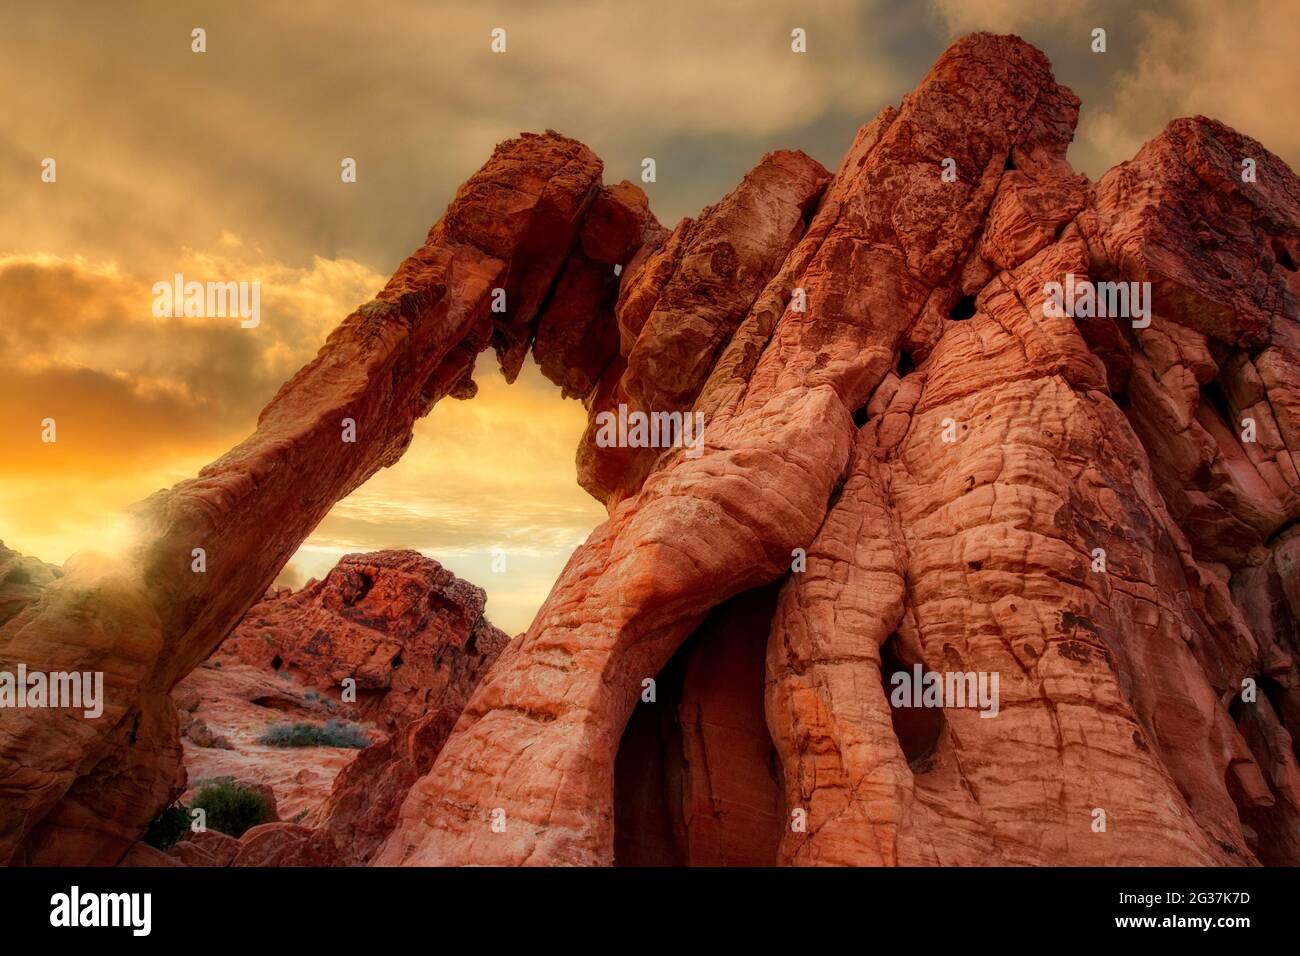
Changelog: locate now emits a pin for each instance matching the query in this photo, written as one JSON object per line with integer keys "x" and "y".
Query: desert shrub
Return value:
{"x": 332, "y": 733}
{"x": 291, "y": 735}
{"x": 168, "y": 827}
{"x": 344, "y": 733}
{"x": 230, "y": 808}
{"x": 311, "y": 696}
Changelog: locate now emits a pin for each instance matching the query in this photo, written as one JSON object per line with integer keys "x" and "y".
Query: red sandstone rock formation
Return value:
{"x": 392, "y": 621}
{"x": 577, "y": 334}
{"x": 225, "y": 706}
{"x": 973, "y": 482}
{"x": 409, "y": 607}
{"x": 680, "y": 303}
{"x": 21, "y": 580}
{"x": 912, "y": 465}
{"x": 362, "y": 807}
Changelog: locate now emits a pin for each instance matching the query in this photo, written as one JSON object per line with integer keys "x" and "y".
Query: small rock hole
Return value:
{"x": 963, "y": 310}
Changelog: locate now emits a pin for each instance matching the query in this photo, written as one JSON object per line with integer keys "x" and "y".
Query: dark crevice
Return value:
{"x": 355, "y": 592}
{"x": 1234, "y": 709}
{"x": 813, "y": 206}
{"x": 834, "y": 498}
{"x": 648, "y": 772}
{"x": 906, "y": 364}
{"x": 695, "y": 778}
{"x": 1283, "y": 256}
{"x": 1276, "y": 536}
{"x": 963, "y": 309}
{"x": 1274, "y": 692}
{"x": 917, "y": 728}
{"x": 1213, "y": 393}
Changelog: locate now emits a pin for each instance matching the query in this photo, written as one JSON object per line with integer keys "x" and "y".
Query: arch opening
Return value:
{"x": 696, "y": 780}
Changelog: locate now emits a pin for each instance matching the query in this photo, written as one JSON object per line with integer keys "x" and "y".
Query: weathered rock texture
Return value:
{"x": 910, "y": 465}
{"x": 931, "y": 471}
{"x": 225, "y": 706}
{"x": 448, "y": 643}
{"x": 393, "y": 622}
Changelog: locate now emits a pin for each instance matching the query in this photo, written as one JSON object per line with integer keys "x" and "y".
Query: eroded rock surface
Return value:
{"x": 392, "y": 622}
{"x": 452, "y": 647}
{"x": 912, "y": 469}
{"x": 225, "y": 706}
{"x": 941, "y": 476}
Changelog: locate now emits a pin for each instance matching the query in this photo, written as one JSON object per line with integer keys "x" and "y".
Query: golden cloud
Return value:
{"x": 140, "y": 403}
{"x": 1232, "y": 62}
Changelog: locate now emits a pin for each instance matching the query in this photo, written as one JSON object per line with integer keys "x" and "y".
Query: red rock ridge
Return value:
{"x": 80, "y": 791}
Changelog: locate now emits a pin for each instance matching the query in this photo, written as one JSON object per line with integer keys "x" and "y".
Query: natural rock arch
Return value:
{"x": 74, "y": 790}
{"x": 824, "y": 434}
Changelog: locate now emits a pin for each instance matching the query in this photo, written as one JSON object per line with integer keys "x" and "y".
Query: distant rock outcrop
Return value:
{"x": 392, "y": 622}
{"x": 22, "y": 579}
{"x": 411, "y": 634}
{"x": 417, "y": 635}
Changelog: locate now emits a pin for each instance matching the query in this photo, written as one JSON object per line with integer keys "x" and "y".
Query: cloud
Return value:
{"x": 170, "y": 146}
{"x": 1006, "y": 16}
{"x": 1232, "y": 62}
{"x": 139, "y": 403}
{"x": 290, "y": 576}
{"x": 88, "y": 329}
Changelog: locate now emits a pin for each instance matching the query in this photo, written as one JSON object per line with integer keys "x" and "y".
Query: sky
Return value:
{"x": 224, "y": 165}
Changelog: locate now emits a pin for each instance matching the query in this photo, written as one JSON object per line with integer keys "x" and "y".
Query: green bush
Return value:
{"x": 332, "y": 733}
{"x": 168, "y": 827}
{"x": 230, "y": 808}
